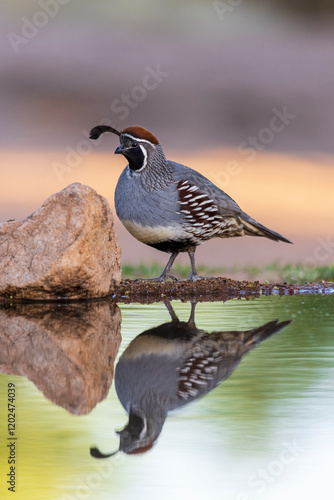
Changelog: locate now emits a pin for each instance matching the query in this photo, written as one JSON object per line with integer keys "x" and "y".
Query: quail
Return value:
{"x": 172, "y": 365}
{"x": 169, "y": 206}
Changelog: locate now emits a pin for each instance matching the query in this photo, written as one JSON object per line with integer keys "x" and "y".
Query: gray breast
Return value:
{"x": 135, "y": 203}
{"x": 148, "y": 377}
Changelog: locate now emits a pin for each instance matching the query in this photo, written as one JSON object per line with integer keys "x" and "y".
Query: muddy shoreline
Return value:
{"x": 218, "y": 289}
{"x": 205, "y": 290}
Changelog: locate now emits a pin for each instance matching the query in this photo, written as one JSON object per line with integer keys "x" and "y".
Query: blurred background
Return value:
{"x": 242, "y": 91}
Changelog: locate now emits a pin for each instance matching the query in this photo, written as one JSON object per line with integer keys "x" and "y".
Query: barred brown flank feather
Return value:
{"x": 140, "y": 133}
{"x": 198, "y": 208}
{"x": 197, "y": 372}
{"x": 203, "y": 358}
{"x": 202, "y": 213}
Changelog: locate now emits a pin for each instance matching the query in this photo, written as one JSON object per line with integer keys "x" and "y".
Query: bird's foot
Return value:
{"x": 195, "y": 277}
{"x": 160, "y": 279}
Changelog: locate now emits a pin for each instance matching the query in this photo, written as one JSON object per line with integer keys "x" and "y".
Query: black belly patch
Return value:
{"x": 171, "y": 246}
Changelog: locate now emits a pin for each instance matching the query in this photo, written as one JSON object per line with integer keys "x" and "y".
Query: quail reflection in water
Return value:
{"x": 171, "y": 365}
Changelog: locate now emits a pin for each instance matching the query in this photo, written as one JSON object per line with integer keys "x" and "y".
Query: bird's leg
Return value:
{"x": 171, "y": 311}
{"x": 165, "y": 273}
{"x": 191, "y": 320}
{"x": 193, "y": 275}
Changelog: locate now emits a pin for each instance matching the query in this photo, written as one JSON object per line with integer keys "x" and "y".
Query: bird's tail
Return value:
{"x": 254, "y": 228}
{"x": 258, "y": 335}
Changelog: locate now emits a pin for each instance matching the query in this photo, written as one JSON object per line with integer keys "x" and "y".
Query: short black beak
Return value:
{"x": 120, "y": 150}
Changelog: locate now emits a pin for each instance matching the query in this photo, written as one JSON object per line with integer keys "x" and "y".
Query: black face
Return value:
{"x": 132, "y": 152}
{"x": 135, "y": 425}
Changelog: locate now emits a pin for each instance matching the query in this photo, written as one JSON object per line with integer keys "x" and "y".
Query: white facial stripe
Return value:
{"x": 143, "y": 432}
{"x": 136, "y": 138}
{"x": 145, "y": 158}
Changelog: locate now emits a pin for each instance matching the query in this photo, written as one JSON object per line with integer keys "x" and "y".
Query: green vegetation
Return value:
{"x": 300, "y": 273}
{"x": 289, "y": 273}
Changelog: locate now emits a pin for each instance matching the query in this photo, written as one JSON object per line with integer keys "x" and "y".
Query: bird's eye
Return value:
{"x": 134, "y": 144}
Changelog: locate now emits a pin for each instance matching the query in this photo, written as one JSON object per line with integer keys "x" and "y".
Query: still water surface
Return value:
{"x": 265, "y": 432}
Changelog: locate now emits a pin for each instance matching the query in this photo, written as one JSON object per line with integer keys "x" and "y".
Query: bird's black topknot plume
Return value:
{"x": 100, "y": 129}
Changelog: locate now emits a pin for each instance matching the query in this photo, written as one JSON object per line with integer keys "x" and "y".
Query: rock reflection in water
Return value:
{"x": 66, "y": 350}
{"x": 171, "y": 365}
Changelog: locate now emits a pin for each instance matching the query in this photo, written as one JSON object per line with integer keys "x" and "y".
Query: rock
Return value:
{"x": 67, "y": 350}
{"x": 66, "y": 249}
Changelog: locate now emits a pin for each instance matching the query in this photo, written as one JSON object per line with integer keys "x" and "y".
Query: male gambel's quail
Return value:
{"x": 172, "y": 365}
{"x": 170, "y": 206}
